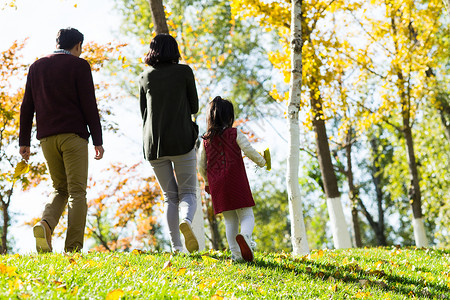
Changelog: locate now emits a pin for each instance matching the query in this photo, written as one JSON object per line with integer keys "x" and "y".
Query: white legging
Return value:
{"x": 179, "y": 192}
{"x": 232, "y": 219}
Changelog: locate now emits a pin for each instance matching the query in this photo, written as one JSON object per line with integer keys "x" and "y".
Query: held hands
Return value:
{"x": 99, "y": 152}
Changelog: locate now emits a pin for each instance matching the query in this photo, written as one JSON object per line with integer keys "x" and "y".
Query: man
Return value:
{"x": 60, "y": 90}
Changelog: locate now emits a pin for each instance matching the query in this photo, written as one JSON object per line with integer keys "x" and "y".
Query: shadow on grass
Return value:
{"x": 353, "y": 273}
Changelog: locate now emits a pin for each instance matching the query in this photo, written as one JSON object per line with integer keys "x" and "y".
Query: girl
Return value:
{"x": 222, "y": 167}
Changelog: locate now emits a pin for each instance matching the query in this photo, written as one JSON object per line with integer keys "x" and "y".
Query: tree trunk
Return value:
{"x": 404, "y": 92}
{"x": 216, "y": 239}
{"x": 446, "y": 122}
{"x": 414, "y": 191}
{"x": 341, "y": 235}
{"x": 298, "y": 231}
{"x": 5, "y": 205}
{"x": 378, "y": 227}
{"x": 198, "y": 223}
{"x": 158, "y": 16}
{"x": 353, "y": 192}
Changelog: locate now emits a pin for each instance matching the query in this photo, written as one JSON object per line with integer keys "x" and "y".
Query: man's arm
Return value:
{"x": 26, "y": 114}
{"x": 86, "y": 92}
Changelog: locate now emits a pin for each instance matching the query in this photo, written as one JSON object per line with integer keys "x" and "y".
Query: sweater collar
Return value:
{"x": 62, "y": 51}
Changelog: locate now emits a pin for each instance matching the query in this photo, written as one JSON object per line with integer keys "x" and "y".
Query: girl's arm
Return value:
{"x": 202, "y": 164}
{"x": 248, "y": 150}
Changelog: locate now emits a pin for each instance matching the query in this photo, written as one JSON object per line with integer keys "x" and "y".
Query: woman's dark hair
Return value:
{"x": 68, "y": 38}
{"x": 219, "y": 118}
{"x": 163, "y": 48}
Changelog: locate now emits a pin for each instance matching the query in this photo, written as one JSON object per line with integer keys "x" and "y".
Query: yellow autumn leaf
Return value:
{"x": 10, "y": 271}
{"x": 268, "y": 159}
{"x": 115, "y": 294}
{"x": 75, "y": 290}
{"x": 181, "y": 271}
{"x": 21, "y": 168}
{"x": 378, "y": 264}
{"x": 51, "y": 270}
{"x": 209, "y": 260}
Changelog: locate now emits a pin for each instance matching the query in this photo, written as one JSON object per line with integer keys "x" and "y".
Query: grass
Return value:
{"x": 375, "y": 273}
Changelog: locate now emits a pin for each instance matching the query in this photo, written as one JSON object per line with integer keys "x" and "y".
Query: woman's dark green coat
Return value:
{"x": 168, "y": 98}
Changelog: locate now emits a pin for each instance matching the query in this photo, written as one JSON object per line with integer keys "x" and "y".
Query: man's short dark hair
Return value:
{"x": 68, "y": 38}
{"x": 163, "y": 49}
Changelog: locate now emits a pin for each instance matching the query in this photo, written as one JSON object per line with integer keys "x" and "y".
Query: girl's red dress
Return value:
{"x": 228, "y": 182}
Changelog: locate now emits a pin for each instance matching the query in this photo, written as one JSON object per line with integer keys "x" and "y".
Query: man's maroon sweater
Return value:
{"x": 61, "y": 91}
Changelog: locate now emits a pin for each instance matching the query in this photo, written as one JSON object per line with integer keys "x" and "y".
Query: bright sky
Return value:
{"x": 39, "y": 21}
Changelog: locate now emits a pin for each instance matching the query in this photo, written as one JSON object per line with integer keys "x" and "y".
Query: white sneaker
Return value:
{"x": 189, "y": 238}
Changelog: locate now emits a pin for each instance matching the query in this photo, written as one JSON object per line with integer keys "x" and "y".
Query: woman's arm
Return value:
{"x": 192, "y": 92}
{"x": 142, "y": 98}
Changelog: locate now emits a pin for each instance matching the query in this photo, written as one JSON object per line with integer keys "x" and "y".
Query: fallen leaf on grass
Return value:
{"x": 137, "y": 251}
{"x": 10, "y": 271}
{"x": 75, "y": 290}
{"x": 362, "y": 295}
{"x": 209, "y": 260}
{"x": 51, "y": 270}
{"x": 167, "y": 265}
{"x": 364, "y": 282}
{"x": 115, "y": 294}
{"x": 378, "y": 264}
{"x": 334, "y": 288}
{"x": 181, "y": 271}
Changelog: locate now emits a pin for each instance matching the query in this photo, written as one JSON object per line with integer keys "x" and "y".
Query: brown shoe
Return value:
{"x": 43, "y": 236}
{"x": 244, "y": 245}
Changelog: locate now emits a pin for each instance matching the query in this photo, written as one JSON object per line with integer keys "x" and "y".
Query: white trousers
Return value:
{"x": 232, "y": 218}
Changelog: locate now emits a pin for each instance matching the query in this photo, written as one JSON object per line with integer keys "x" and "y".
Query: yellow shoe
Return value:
{"x": 189, "y": 238}
{"x": 43, "y": 235}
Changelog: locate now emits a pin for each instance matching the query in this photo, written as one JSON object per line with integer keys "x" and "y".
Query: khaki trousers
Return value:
{"x": 67, "y": 162}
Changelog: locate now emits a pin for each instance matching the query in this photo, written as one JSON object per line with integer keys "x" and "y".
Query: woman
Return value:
{"x": 168, "y": 98}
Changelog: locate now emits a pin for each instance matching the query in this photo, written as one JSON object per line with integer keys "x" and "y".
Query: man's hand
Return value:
{"x": 99, "y": 152}
{"x": 25, "y": 152}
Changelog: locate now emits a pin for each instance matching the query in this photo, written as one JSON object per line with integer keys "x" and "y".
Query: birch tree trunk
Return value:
{"x": 158, "y": 16}
{"x": 341, "y": 234}
{"x": 5, "y": 205}
{"x": 198, "y": 222}
{"x": 414, "y": 192}
{"x": 298, "y": 232}
{"x": 353, "y": 191}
